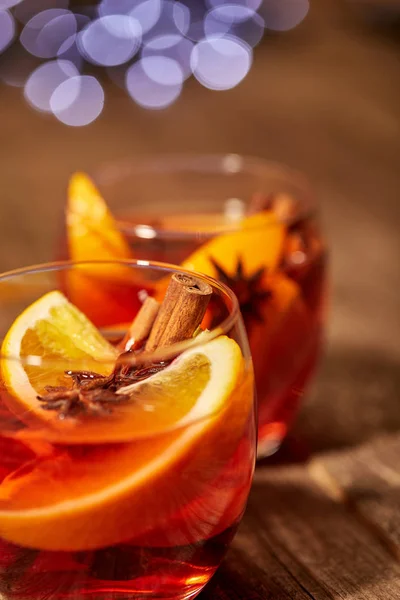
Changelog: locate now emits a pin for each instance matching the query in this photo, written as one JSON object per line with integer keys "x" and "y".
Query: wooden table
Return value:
{"x": 323, "y": 520}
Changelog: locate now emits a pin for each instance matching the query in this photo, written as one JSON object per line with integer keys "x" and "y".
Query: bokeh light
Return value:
{"x": 181, "y": 16}
{"x": 69, "y": 51}
{"x": 45, "y": 80}
{"x": 172, "y": 46}
{"x": 81, "y": 20}
{"x": 194, "y": 21}
{"x": 282, "y": 15}
{"x": 43, "y": 35}
{"x": 163, "y": 70}
{"x": 146, "y": 47}
{"x": 238, "y": 21}
{"x": 146, "y": 12}
{"x": 78, "y": 101}
{"x": 149, "y": 92}
{"x": 252, "y": 4}
{"x": 232, "y": 13}
{"x": 7, "y": 29}
{"x": 171, "y": 19}
{"x": 110, "y": 40}
{"x": 115, "y": 7}
{"x": 55, "y": 34}
{"x": 250, "y": 31}
{"x": 69, "y": 48}
{"x": 221, "y": 63}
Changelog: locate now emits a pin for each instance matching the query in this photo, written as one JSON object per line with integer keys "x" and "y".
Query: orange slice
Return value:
{"x": 92, "y": 232}
{"x": 50, "y": 329}
{"x": 54, "y": 330}
{"x": 259, "y": 243}
{"x": 102, "y": 494}
{"x": 101, "y": 291}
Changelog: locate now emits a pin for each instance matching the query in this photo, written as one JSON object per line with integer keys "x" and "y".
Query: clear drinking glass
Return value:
{"x": 104, "y": 498}
{"x": 192, "y": 210}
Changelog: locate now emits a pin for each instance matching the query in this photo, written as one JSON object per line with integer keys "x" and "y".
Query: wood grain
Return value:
{"x": 368, "y": 480}
{"x": 356, "y": 394}
{"x": 296, "y": 541}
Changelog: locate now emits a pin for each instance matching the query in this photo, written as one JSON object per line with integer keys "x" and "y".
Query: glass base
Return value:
{"x": 122, "y": 572}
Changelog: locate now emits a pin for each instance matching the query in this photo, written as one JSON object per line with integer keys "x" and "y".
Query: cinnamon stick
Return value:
{"x": 141, "y": 325}
{"x": 181, "y": 312}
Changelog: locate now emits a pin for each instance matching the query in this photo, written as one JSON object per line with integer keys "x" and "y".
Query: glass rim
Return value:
{"x": 109, "y": 172}
{"x": 158, "y": 355}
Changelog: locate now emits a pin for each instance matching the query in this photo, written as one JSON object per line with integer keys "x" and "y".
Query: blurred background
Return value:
{"x": 315, "y": 85}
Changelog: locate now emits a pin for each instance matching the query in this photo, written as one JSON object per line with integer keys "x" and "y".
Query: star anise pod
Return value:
{"x": 89, "y": 394}
{"x": 92, "y": 393}
{"x": 248, "y": 289}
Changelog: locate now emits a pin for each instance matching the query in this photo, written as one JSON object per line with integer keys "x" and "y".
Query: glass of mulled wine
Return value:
{"x": 252, "y": 225}
{"x": 127, "y": 430}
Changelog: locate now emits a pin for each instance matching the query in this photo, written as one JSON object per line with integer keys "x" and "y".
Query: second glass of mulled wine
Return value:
{"x": 249, "y": 223}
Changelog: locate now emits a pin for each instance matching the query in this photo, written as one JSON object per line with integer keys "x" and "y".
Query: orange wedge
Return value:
{"x": 101, "y": 291}
{"x": 175, "y": 436}
{"x": 258, "y": 243}
{"x": 92, "y": 231}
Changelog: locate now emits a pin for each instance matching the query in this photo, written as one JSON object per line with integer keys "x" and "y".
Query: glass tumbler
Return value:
{"x": 254, "y": 226}
{"x": 124, "y": 472}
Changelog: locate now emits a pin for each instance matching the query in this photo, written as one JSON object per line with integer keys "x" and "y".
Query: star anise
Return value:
{"x": 92, "y": 393}
{"x": 248, "y": 289}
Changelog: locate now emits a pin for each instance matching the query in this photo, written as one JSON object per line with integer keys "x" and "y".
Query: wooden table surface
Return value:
{"x": 323, "y": 520}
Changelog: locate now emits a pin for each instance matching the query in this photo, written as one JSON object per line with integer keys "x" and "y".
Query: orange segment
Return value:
{"x": 54, "y": 330}
{"x": 259, "y": 243}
